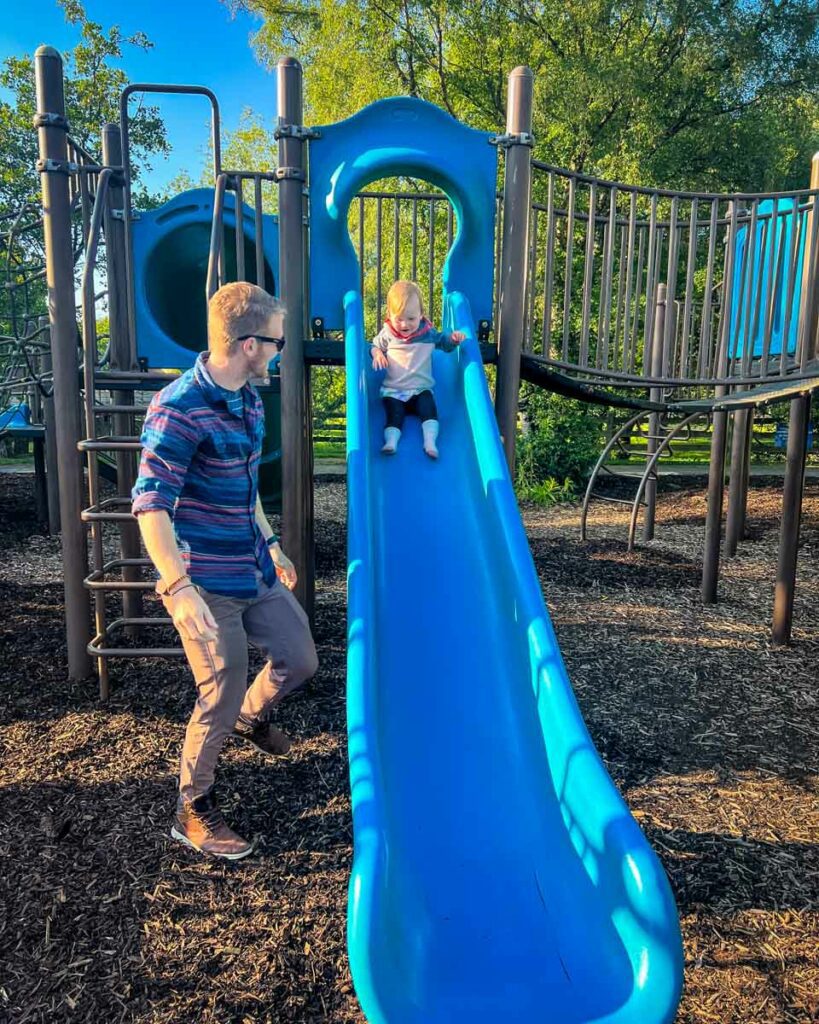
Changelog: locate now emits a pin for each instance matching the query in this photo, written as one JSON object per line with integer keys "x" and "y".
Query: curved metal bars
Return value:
{"x": 614, "y": 440}
{"x": 216, "y": 142}
{"x": 652, "y": 462}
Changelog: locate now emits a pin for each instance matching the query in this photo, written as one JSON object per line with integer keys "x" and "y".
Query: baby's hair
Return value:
{"x": 399, "y": 295}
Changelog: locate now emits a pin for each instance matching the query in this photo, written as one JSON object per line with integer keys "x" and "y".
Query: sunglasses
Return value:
{"x": 264, "y": 340}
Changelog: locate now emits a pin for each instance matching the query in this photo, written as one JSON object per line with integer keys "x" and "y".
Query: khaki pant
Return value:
{"x": 274, "y": 622}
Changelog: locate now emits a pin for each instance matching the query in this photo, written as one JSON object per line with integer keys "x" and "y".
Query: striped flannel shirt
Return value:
{"x": 200, "y": 463}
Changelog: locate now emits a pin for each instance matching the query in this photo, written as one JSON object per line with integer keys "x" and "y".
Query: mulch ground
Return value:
{"x": 708, "y": 730}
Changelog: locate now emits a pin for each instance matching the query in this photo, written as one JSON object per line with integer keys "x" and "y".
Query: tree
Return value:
{"x": 251, "y": 147}
{"x": 92, "y": 90}
{"x": 695, "y": 93}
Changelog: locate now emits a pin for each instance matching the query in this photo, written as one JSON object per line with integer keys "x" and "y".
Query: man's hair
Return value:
{"x": 237, "y": 309}
{"x": 399, "y": 295}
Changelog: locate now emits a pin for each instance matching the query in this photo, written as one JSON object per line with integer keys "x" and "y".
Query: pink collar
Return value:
{"x": 423, "y": 328}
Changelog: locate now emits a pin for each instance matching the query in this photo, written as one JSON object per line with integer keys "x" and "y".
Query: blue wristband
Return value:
{"x": 272, "y": 539}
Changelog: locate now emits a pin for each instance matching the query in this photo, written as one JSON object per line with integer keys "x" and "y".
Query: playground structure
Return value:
{"x": 669, "y": 304}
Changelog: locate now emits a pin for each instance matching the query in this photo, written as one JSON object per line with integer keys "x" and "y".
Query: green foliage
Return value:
{"x": 328, "y": 388}
{"x": 251, "y": 147}
{"x": 92, "y": 87}
{"x": 548, "y": 492}
{"x": 563, "y": 441}
{"x": 693, "y": 93}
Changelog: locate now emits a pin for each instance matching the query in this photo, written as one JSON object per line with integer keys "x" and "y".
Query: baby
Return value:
{"x": 404, "y": 348}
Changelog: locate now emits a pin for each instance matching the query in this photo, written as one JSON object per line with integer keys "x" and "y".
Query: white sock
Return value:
{"x": 392, "y": 435}
{"x": 430, "y": 431}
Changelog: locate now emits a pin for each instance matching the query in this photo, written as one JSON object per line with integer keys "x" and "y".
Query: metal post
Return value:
{"x": 35, "y": 401}
{"x": 52, "y": 132}
{"x": 798, "y": 423}
{"x": 121, "y": 350}
{"x": 716, "y": 493}
{"x": 297, "y": 455}
{"x": 719, "y": 430}
{"x": 738, "y": 489}
{"x": 514, "y": 251}
{"x": 655, "y": 395}
{"x": 798, "y": 426}
{"x": 52, "y": 461}
{"x": 746, "y": 474}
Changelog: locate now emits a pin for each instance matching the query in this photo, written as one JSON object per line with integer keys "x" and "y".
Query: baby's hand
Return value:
{"x": 457, "y": 337}
{"x": 379, "y": 360}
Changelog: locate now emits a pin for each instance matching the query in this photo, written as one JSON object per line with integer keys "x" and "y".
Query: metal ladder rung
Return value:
{"x": 110, "y": 444}
{"x": 106, "y": 410}
{"x": 614, "y": 501}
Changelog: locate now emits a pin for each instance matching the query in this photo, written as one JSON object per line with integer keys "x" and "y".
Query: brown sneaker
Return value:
{"x": 264, "y": 737}
{"x": 199, "y": 824}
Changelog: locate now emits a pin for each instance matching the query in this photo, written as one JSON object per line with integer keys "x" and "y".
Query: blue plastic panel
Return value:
{"x": 170, "y": 262}
{"x": 498, "y": 876}
{"x": 409, "y": 137}
{"x": 769, "y": 254}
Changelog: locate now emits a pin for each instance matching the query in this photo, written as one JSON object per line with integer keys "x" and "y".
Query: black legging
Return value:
{"x": 421, "y": 405}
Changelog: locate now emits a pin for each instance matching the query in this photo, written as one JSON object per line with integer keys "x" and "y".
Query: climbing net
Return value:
{"x": 24, "y": 337}
{"x": 25, "y": 355}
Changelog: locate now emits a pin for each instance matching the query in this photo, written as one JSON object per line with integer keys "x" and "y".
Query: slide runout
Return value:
{"x": 498, "y": 875}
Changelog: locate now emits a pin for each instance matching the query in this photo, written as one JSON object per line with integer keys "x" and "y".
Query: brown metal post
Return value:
{"x": 35, "y": 400}
{"x": 798, "y": 422}
{"x": 738, "y": 490}
{"x": 297, "y": 455}
{"x": 512, "y": 271}
{"x": 52, "y": 132}
{"x": 746, "y": 474}
{"x": 719, "y": 429}
{"x": 121, "y": 347}
{"x": 798, "y": 426}
{"x": 656, "y": 395}
{"x": 52, "y": 461}
{"x": 716, "y": 494}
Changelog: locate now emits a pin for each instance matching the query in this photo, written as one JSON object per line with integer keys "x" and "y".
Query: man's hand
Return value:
{"x": 191, "y": 615}
{"x": 457, "y": 337}
{"x": 285, "y": 569}
{"x": 380, "y": 361}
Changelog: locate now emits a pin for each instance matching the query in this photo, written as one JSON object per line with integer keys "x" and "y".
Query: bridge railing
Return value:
{"x": 736, "y": 269}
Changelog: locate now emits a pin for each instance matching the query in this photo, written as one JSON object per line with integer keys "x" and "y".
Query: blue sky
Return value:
{"x": 195, "y": 42}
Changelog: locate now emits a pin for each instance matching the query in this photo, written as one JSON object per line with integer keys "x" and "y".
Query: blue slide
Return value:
{"x": 498, "y": 875}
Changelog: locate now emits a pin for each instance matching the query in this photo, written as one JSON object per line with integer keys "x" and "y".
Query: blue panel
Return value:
{"x": 498, "y": 875}
{"x": 770, "y": 253}
{"x": 170, "y": 260}
{"x": 408, "y": 137}
{"x": 16, "y": 417}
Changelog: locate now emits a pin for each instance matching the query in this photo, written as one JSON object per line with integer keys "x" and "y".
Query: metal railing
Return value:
{"x": 232, "y": 181}
{"x": 735, "y": 267}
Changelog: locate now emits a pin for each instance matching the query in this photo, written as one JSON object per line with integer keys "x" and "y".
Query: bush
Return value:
{"x": 550, "y": 492}
{"x": 556, "y": 455}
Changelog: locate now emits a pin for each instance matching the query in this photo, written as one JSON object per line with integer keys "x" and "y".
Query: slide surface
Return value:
{"x": 498, "y": 875}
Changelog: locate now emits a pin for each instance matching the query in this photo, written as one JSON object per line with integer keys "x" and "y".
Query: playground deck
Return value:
{"x": 106, "y": 920}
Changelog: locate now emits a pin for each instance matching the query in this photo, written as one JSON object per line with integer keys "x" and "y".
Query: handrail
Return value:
{"x": 216, "y": 142}
{"x": 646, "y": 190}
{"x": 630, "y": 380}
{"x": 215, "y": 262}
{"x": 89, "y": 338}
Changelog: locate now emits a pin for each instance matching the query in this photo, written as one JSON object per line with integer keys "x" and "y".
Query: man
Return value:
{"x": 218, "y": 560}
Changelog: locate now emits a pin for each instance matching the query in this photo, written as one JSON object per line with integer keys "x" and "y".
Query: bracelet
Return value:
{"x": 168, "y": 591}
{"x": 272, "y": 539}
{"x": 179, "y": 591}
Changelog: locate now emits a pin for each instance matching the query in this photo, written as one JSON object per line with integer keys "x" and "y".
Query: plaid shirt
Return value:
{"x": 200, "y": 464}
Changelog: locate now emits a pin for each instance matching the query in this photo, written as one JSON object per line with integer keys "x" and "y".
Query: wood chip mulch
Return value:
{"x": 709, "y": 731}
